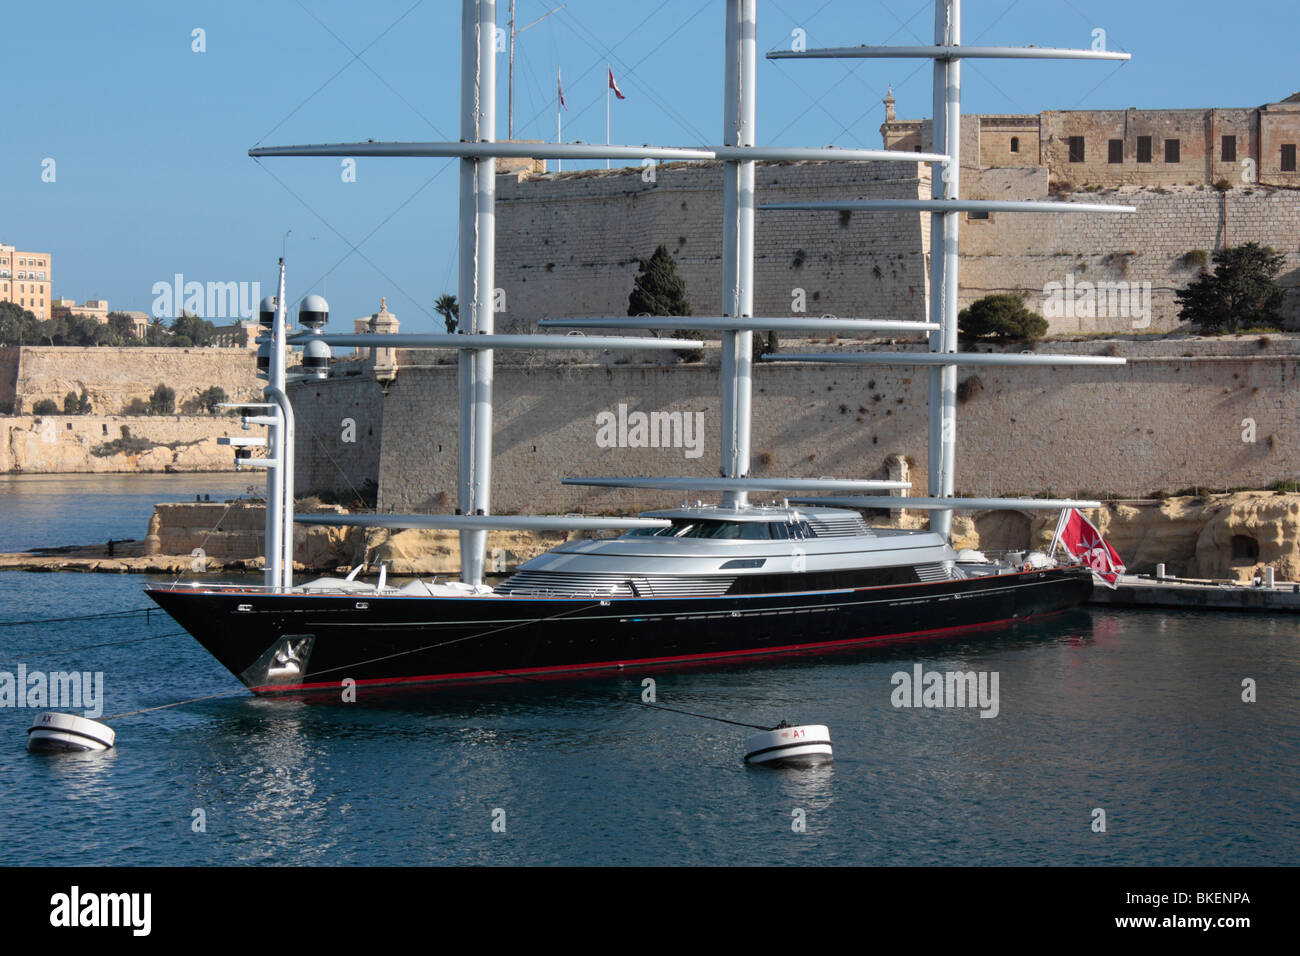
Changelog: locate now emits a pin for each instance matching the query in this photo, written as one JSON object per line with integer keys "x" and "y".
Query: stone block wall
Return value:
{"x": 569, "y": 245}
{"x": 1164, "y": 243}
{"x": 1170, "y": 419}
{"x": 338, "y": 423}
{"x": 49, "y": 444}
{"x": 114, "y": 378}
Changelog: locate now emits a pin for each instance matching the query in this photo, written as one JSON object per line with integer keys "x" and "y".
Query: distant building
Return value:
{"x": 227, "y": 336}
{"x": 1132, "y": 147}
{"x": 25, "y": 279}
{"x": 140, "y": 323}
{"x": 96, "y": 309}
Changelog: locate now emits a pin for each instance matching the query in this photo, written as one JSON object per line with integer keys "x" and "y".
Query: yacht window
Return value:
{"x": 714, "y": 529}
{"x": 645, "y": 532}
{"x": 725, "y": 530}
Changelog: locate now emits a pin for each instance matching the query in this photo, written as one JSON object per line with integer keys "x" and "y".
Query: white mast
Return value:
{"x": 278, "y": 570}
{"x": 476, "y": 275}
{"x": 945, "y": 206}
{"x": 738, "y": 129}
{"x": 943, "y": 261}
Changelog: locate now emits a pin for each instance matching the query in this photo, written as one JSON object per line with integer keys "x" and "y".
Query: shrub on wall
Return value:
{"x": 1002, "y": 317}
{"x": 162, "y": 401}
{"x": 74, "y": 404}
{"x": 211, "y": 397}
{"x": 46, "y": 406}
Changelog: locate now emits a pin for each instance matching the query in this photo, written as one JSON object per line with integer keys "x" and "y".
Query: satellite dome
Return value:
{"x": 266, "y": 312}
{"x": 316, "y": 358}
{"x": 314, "y": 312}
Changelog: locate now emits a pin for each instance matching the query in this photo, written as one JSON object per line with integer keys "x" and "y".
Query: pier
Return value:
{"x": 1134, "y": 590}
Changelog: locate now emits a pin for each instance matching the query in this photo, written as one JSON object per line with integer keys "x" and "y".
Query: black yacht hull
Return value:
{"x": 278, "y": 643}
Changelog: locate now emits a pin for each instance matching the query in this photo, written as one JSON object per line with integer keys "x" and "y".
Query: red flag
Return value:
{"x": 560, "y": 87}
{"x": 614, "y": 86}
{"x": 1081, "y": 540}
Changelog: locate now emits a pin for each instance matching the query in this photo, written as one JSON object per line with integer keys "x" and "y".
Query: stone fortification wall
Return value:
{"x": 98, "y": 443}
{"x": 338, "y": 423}
{"x": 569, "y": 244}
{"x": 1166, "y": 243}
{"x": 114, "y": 378}
{"x": 1182, "y": 413}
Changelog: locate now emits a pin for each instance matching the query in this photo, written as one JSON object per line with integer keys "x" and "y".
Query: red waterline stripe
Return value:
{"x": 614, "y": 665}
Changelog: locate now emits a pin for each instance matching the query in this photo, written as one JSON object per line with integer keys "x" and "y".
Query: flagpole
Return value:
{"x": 607, "y": 75}
{"x": 1056, "y": 536}
{"x": 559, "y": 112}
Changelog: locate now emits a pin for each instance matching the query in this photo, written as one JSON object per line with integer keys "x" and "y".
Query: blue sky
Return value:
{"x": 150, "y": 139}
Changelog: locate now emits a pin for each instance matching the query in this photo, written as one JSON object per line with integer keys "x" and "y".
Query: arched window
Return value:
{"x": 1015, "y": 144}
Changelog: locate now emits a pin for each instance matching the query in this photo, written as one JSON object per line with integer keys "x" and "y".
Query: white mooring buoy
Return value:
{"x": 53, "y": 732}
{"x": 808, "y": 745}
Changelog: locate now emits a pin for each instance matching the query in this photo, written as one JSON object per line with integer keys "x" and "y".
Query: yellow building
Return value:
{"x": 25, "y": 280}
{"x": 96, "y": 309}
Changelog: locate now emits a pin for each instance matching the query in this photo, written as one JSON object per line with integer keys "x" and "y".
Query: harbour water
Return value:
{"x": 1136, "y": 713}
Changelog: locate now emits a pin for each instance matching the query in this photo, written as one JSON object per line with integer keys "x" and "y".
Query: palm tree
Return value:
{"x": 447, "y": 308}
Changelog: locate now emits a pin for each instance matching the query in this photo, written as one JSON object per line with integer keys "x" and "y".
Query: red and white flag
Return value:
{"x": 1081, "y": 540}
{"x": 560, "y": 86}
{"x": 614, "y": 85}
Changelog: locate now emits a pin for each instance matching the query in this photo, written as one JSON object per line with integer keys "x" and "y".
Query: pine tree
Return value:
{"x": 1002, "y": 317}
{"x": 659, "y": 290}
{"x": 1239, "y": 293}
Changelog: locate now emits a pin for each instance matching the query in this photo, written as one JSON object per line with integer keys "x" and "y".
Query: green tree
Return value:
{"x": 74, "y": 404}
{"x": 1241, "y": 292}
{"x": 17, "y": 325}
{"x": 46, "y": 406}
{"x": 53, "y": 330}
{"x": 123, "y": 327}
{"x": 82, "y": 330}
{"x": 104, "y": 335}
{"x": 447, "y": 307}
{"x": 657, "y": 289}
{"x": 188, "y": 329}
{"x": 1001, "y": 317}
{"x": 157, "y": 334}
{"x": 162, "y": 401}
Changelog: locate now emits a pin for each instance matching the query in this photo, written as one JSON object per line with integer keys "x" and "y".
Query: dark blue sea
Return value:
{"x": 1136, "y": 713}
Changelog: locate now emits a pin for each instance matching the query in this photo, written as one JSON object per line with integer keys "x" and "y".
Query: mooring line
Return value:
{"x": 244, "y": 690}
{"x": 489, "y": 633}
{"x": 87, "y": 647}
{"x": 192, "y": 700}
{"x": 78, "y": 617}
